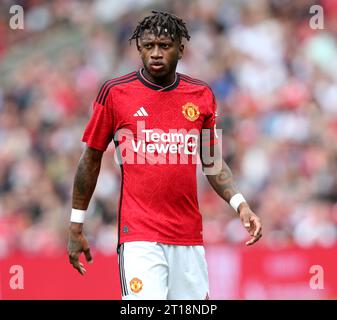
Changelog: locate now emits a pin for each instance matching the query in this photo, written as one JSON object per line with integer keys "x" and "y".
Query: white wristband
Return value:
{"x": 77, "y": 215}
{"x": 236, "y": 200}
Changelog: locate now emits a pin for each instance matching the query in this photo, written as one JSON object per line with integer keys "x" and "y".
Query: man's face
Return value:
{"x": 160, "y": 54}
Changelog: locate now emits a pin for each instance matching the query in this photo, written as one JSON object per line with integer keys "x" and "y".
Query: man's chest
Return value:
{"x": 160, "y": 111}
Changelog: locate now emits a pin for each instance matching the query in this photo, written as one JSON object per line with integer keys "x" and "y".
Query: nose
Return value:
{"x": 156, "y": 53}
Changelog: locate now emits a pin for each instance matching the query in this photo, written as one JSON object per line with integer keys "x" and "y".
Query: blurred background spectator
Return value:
{"x": 275, "y": 80}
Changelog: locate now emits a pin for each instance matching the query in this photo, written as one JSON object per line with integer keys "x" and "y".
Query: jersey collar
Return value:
{"x": 157, "y": 87}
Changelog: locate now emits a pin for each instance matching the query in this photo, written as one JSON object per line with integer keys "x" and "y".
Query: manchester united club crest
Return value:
{"x": 136, "y": 285}
{"x": 190, "y": 111}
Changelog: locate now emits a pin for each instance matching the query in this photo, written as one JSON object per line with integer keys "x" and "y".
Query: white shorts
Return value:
{"x": 156, "y": 271}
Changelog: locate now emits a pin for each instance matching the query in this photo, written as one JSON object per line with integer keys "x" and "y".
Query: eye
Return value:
{"x": 147, "y": 46}
{"x": 165, "y": 46}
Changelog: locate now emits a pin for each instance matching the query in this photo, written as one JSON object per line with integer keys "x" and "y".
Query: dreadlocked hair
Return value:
{"x": 162, "y": 23}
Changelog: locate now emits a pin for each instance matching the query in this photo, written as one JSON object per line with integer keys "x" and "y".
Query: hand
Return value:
{"x": 251, "y": 222}
{"x": 77, "y": 244}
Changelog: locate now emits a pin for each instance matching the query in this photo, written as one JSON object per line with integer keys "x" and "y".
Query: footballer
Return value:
{"x": 158, "y": 120}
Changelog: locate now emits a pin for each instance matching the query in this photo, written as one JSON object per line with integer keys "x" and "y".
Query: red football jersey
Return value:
{"x": 157, "y": 131}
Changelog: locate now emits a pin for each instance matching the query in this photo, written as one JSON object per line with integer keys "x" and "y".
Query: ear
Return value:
{"x": 181, "y": 51}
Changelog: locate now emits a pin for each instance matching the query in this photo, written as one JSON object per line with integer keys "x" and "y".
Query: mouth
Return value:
{"x": 157, "y": 66}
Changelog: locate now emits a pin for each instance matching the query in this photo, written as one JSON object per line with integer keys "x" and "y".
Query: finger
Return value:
{"x": 83, "y": 270}
{"x": 80, "y": 269}
{"x": 246, "y": 221}
{"x": 86, "y": 251}
{"x": 258, "y": 227}
{"x": 253, "y": 240}
{"x": 258, "y": 234}
{"x": 87, "y": 255}
{"x": 74, "y": 260}
{"x": 73, "y": 257}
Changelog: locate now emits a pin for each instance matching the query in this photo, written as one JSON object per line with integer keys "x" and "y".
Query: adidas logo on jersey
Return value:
{"x": 141, "y": 112}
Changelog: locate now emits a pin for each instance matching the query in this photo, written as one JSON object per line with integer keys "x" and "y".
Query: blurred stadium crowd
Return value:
{"x": 275, "y": 80}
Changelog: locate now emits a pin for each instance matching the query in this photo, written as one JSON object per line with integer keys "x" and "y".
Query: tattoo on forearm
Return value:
{"x": 223, "y": 183}
{"x": 86, "y": 178}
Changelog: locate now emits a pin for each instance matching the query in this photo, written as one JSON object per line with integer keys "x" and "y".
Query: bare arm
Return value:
{"x": 86, "y": 177}
{"x": 222, "y": 181}
{"x": 84, "y": 185}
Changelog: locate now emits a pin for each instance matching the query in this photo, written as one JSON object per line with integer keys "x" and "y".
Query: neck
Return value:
{"x": 160, "y": 81}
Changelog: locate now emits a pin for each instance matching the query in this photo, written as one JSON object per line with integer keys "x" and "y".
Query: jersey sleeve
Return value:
{"x": 100, "y": 128}
{"x": 208, "y": 134}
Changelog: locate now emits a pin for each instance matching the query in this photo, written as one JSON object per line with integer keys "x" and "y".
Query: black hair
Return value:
{"x": 162, "y": 23}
